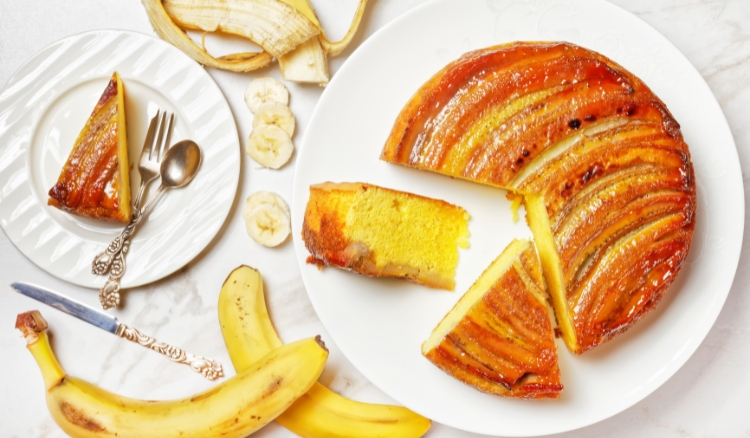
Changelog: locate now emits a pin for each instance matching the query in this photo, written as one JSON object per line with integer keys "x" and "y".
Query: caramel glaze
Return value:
{"x": 505, "y": 344}
{"x": 89, "y": 182}
{"x": 620, "y": 198}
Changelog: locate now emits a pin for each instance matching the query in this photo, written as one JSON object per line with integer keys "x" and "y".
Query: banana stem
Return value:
{"x": 334, "y": 48}
{"x": 52, "y": 372}
{"x": 34, "y": 329}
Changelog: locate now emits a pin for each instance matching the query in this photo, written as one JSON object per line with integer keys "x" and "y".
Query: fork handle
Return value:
{"x": 104, "y": 261}
{"x": 112, "y": 260}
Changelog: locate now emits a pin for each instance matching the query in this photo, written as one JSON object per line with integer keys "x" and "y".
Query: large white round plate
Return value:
{"x": 42, "y": 110}
{"x": 379, "y": 324}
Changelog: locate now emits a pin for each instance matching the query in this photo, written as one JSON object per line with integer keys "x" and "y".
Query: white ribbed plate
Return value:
{"x": 379, "y": 324}
{"x": 42, "y": 110}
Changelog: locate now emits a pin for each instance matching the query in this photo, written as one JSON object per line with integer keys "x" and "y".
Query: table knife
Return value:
{"x": 209, "y": 368}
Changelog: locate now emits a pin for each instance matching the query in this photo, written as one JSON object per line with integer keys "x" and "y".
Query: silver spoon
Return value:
{"x": 178, "y": 168}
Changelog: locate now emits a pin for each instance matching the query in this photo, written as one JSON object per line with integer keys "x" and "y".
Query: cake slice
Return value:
{"x": 95, "y": 181}
{"x": 381, "y": 232}
{"x": 498, "y": 338}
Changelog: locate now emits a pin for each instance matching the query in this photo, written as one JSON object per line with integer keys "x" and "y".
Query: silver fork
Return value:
{"x": 112, "y": 260}
{"x": 148, "y": 165}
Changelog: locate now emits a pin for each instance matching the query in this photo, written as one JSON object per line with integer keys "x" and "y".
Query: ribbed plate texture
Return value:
{"x": 43, "y": 108}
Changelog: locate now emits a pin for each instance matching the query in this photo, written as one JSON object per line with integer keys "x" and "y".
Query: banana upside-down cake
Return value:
{"x": 601, "y": 164}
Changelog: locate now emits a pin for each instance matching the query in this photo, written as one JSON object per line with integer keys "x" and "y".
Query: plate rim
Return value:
{"x": 712, "y": 313}
{"x": 196, "y": 249}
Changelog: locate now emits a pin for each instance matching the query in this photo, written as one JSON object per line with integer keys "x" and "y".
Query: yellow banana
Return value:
{"x": 249, "y": 335}
{"x": 235, "y": 408}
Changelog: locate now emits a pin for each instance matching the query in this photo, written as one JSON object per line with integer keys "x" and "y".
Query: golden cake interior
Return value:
{"x": 600, "y": 162}
{"x": 95, "y": 180}
{"x": 498, "y": 338}
{"x": 382, "y": 232}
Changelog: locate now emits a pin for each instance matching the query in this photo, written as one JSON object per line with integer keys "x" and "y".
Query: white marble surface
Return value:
{"x": 709, "y": 396}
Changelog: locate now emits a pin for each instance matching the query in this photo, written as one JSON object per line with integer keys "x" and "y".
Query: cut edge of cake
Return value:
{"x": 538, "y": 220}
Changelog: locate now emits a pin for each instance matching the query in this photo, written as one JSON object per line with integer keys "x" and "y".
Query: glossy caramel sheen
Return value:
{"x": 504, "y": 343}
{"x": 605, "y": 154}
{"x": 92, "y": 182}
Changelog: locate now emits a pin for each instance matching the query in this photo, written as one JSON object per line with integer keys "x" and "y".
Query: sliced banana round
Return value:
{"x": 264, "y": 90}
{"x": 267, "y": 218}
{"x": 263, "y": 198}
{"x": 270, "y": 146}
{"x": 274, "y": 113}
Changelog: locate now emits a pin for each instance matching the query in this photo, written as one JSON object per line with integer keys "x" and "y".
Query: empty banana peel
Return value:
{"x": 169, "y": 32}
{"x": 288, "y": 30}
{"x": 271, "y": 24}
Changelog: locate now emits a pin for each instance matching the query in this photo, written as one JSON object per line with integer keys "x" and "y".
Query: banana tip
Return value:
{"x": 321, "y": 343}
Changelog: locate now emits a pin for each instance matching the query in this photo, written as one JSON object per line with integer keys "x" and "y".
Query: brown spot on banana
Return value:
{"x": 79, "y": 418}
{"x": 272, "y": 387}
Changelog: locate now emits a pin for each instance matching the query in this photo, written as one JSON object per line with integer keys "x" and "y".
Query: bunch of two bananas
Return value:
{"x": 273, "y": 381}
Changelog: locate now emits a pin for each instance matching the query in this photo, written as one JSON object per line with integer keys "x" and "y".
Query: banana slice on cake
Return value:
{"x": 265, "y": 90}
{"x": 274, "y": 113}
{"x": 267, "y": 218}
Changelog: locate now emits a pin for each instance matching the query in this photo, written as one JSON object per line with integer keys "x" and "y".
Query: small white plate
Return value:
{"x": 379, "y": 324}
{"x": 42, "y": 110}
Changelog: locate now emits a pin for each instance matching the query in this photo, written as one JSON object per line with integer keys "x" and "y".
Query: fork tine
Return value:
{"x": 154, "y": 154}
{"x": 168, "y": 139}
{"x": 149, "y": 141}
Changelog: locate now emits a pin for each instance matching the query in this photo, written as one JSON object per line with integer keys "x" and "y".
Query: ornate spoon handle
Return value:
{"x": 112, "y": 261}
{"x": 103, "y": 261}
{"x": 208, "y": 367}
{"x": 109, "y": 294}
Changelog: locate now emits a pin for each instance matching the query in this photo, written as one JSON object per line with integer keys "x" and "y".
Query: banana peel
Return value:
{"x": 249, "y": 334}
{"x": 287, "y": 30}
{"x": 271, "y": 24}
{"x": 169, "y": 32}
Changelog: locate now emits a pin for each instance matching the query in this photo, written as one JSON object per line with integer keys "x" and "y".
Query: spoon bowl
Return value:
{"x": 180, "y": 164}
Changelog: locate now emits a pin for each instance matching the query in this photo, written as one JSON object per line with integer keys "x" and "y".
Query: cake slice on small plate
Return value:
{"x": 381, "y": 232}
{"x": 498, "y": 338}
{"x": 95, "y": 181}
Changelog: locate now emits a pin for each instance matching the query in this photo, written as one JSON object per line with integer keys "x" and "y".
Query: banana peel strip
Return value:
{"x": 334, "y": 48}
{"x": 272, "y": 24}
{"x": 168, "y": 31}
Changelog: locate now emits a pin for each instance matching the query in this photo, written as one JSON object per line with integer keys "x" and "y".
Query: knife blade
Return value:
{"x": 209, "y": 368}
{"x": 68, "y": 305}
